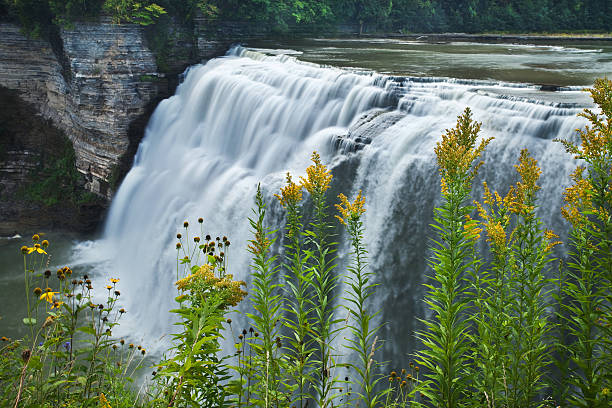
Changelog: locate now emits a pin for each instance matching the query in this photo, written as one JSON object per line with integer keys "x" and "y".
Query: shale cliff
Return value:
{"x": 97, "y": 85}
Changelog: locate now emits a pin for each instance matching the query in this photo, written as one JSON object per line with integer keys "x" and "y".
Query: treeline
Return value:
{"x": 472, "y": 16}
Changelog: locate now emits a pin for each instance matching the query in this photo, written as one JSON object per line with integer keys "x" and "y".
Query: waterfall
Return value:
{"x": 248, "y": 118}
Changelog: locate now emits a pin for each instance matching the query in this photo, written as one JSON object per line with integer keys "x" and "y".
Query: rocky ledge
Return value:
{"x": 97, "y": 81}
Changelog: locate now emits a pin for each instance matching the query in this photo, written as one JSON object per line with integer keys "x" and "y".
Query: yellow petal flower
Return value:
{"x": 48, "y": 296}
{"x": 114, "y": 280}
{"x": 57, "y": 305}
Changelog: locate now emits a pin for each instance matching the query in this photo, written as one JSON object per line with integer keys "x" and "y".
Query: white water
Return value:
{"x": 248, "y": 118}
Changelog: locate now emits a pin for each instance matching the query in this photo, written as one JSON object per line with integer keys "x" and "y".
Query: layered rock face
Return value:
{"x": 93, "y": 85}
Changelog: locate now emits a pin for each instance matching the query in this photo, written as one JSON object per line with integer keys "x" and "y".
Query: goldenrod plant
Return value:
{"x": 363, "y": 340}
{"x": 514, "y": 347}
{"x": 446, "y": 339}
{"x": 299, "y": 305}
{"x": 587, "y": 293}
{"x": 266, "y": 316}
{"x": 324, "y": 281}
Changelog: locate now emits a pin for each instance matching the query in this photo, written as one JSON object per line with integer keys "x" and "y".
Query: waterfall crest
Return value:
{"x": 248, "y": 118}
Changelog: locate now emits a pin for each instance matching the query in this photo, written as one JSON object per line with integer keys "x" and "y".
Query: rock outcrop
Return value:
{"x": 103, "y": 79}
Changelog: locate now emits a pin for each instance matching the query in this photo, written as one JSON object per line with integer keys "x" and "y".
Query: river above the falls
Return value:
{"x": 559, "y": 64}
{"x": 252, "y": 116}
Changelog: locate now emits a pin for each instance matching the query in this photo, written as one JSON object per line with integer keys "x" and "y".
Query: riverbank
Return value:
{"x": 529, "y": 38}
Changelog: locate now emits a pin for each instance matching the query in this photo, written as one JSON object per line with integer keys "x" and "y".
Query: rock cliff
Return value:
{"x": 92, "y": 87}
{"x": 97, "y": 83}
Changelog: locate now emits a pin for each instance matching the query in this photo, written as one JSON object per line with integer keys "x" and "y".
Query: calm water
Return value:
{"x": 561, "y": 64}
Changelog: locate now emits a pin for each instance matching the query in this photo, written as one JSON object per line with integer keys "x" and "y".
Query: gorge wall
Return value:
{"x": 97, "y": 84}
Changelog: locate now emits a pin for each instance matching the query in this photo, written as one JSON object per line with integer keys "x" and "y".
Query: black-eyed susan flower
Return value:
{"x": 48, "y": 296}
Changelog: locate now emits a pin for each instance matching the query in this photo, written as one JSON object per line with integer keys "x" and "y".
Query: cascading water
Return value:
{"x": 248, "y": 118}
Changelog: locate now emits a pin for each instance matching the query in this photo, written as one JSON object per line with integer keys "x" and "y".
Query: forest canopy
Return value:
{"x": 471, "y": 16}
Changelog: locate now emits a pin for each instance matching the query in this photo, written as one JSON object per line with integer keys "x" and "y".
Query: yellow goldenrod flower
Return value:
{"x": 471, "y": 229}
{"x": 104, "y": 402}
{"x": 291, "y": 194}
{"x": 457, "y": 152}
{"x": 350, "y": 212}
{"x": 48, "y": 296}
{"x": 318, "y": 178}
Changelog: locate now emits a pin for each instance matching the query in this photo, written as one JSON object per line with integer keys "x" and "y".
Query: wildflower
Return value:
{"x": 403, "y": 384}
{"x": 229, "y": 321}
{"x": 57, "y": 305}
{"x": 37, "y": 291}
{"x": 318, "y": 178}
{"x": 143, "y": 351}
{"x": 48, "y": 321}
{"x": 122, "y": 310}
{"x": 393, "y": 374}
{"x": 179, "y": 236}
{"x": 24, "y": 249}
{"x": 45, "y": 243}
{"x": 36, "y": 248}
{"x": 104, "y": 402}
{"x": 3, "y": 338}
{"x": 471, "y": 230}
{"x": 185, "y": 224}
{"x": 290, "y": 195}
{"x": 114, "y": 280}
{"x": 131, "y": 345}
{"x": 48, "y": 296}
{"x": 35, "y": 237}
{"x": 178, "y": 245}
{"x": 109, "y": 287}
{"x": 200, "y": 220}
{"x": 457, "y": 151}
{"x": 122, "y": 342}
{"x": 208, "y": 238}
{"x": 196, "y": 239}
{"x": 117, "y": 293}
{"x": 350, "y": 212}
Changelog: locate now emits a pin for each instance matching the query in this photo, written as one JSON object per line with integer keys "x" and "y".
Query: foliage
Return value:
{"x": 446, "y": 339}
{"x": 587, "y": 295}
{"x": 363, "y": 341}
{"x": 489, "y": 341}
{"x": 69, "y": 356}
{"x": 192, "y": 373}
{"x": 132, "y": 11}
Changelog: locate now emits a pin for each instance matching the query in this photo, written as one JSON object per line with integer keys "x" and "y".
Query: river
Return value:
{"x": 374, "y": 109}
